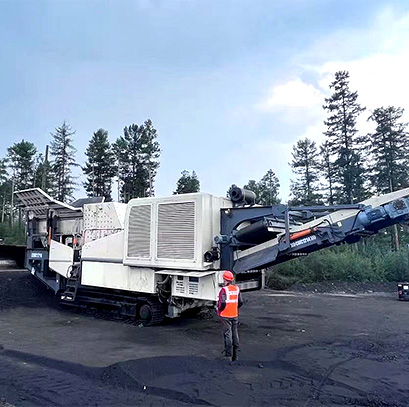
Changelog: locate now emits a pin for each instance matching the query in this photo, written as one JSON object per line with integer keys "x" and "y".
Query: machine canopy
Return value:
{"x": 37, "y": 203}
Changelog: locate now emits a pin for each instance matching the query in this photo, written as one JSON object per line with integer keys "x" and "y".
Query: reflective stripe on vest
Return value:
{"x": 232, "y": 302}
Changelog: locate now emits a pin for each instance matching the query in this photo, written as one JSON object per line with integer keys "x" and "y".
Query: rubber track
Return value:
{"x": 89, "y": 307}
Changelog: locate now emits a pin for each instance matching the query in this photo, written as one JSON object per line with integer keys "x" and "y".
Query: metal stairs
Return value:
{"x": 71, "y": 289}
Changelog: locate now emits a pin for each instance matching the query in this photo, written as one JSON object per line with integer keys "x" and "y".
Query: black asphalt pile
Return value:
{"x": 19, "y": 288}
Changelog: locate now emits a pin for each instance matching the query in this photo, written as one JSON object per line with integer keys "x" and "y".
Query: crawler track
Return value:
{"x": 118, "y": 305}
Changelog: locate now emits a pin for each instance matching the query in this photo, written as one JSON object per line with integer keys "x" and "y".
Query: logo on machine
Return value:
{"x": 36, "y": 255}
{"x": 302, "y": 241}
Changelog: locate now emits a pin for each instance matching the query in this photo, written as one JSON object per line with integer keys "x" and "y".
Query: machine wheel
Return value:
{"x": 151, "y": 313}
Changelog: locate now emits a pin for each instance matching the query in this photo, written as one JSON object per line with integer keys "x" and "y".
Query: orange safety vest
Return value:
{"x": 232, "y": 301}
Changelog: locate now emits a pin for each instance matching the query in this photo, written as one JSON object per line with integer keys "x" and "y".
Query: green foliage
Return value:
{"x": 266, "y": 189}
{"x": 12, "y": 234}
{"x": 137, "y": 153}
{"x": 42, "y": 173}
{"x": 389, "y": 150}
{"x": 63, "y": 153}
{"x": 305, "y": 164}
{"x": 365, "y": 261}
{"x": 343, "y": 142}
{"x": 187, "y": 183}
{"x": 5, "y": 200}
{"x": 100, "y": 166}
{"x": 21, "y": 159}
{"x": 327, "y": 170}
{"x": 3, "y": 171}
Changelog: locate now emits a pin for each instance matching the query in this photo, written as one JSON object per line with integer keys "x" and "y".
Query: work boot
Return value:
{"x": 226, "y": 355}
{"x": 235, "y": 357}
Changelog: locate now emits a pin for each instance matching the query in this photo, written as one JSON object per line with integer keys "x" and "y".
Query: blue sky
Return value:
{"x": 229, "y": 85}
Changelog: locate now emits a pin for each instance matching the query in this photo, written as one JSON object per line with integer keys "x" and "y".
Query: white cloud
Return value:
{"x": 292, "y": 94}
{"x": 377, "y": 59}
{"x": 379, "y": 79}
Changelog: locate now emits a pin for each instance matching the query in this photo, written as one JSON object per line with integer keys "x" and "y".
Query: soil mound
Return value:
{"x": 18, "y": 288}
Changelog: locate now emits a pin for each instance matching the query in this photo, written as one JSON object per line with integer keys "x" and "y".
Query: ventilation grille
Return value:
{"x": 139, "y": 232}
{"x": 176, "y": 231}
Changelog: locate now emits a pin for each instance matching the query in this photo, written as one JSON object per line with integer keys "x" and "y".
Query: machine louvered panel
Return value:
{"x": 176, "y": 231}
{"x": 139, "y": 233}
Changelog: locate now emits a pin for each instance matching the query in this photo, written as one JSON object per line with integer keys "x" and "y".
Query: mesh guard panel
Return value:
{"x": 176, "y": 231}
{"x": 139, "y": 232}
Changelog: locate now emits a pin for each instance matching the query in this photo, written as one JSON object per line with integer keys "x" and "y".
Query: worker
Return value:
{"x": 228, "y": 309}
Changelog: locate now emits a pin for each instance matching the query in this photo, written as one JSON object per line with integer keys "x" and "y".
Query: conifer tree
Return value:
{"x": 389, "y": 154}
{"x": 343, "y": 140}
{"x": 5, "y": 190}
{"x": 327, "y": 172}
{"x": 63, "y": 154}
{"x": 39, "y": 169}
{"x": 187, "y": 183}
{"x": 100, "y": 166}
{"x": 268, "y": 188}
{"x": 137, "y": 153}
{"x": 150, "y": 153}
{"x": 21, "y": 159}
{"x": 305, "y": 164}
{"x": 3, "y": 170}
{"x": 389, "y": 150}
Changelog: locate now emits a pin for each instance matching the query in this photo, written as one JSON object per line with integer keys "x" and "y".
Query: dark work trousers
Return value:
{"x": 231, "y": 335}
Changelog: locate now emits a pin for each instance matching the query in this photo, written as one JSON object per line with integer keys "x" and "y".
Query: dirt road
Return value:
{"x": 298, "y": 349}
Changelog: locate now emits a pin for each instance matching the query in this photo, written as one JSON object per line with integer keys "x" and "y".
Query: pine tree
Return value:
{"x": 268, "y": 189}
{"x": 150, "y": 153}
{"x": 389, "y": 150}
{"x": 187, "y": 183}
{"x": 343, "y": 140}
{"x": 137, "y": 153}
{"x": 63, "y": 153}
{"x": 305, "y": 164}
{"x": 21, "y": 159}
{"x": 100, "y": 167}
{"x": 5, "y": 190}
{"x": 5, "y": 200}
{"x": 389, "y": 153}
{"x": 327, "y": 171}
{"x": 3, "y": 170}
{"x": 39, "y": 168}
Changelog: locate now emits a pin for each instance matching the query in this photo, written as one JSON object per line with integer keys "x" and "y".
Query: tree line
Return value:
{"x": 346, "y": 168}
{"x": 350, "y": 166}
{"x": 133, "y": 160}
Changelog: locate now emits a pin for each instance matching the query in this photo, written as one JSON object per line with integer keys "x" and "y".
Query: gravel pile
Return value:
{"x": 18, "y": 288}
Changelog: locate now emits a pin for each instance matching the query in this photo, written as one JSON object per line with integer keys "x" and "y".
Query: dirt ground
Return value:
{"x": 298, "y": 349}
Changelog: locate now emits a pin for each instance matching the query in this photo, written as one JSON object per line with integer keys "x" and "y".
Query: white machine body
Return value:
{"x": 133, "y": 247}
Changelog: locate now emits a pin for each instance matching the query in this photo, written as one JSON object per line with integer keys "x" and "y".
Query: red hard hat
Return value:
{"x": 228, "y": 275}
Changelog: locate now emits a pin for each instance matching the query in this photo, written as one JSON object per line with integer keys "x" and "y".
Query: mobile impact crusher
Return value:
{"x": 157, "y": 257}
